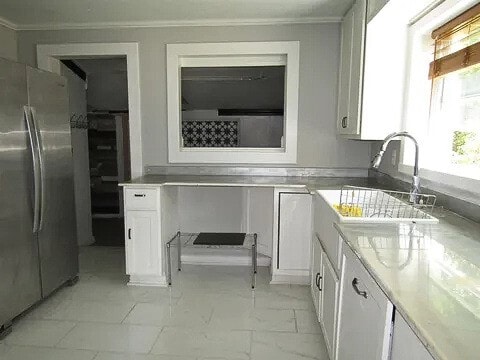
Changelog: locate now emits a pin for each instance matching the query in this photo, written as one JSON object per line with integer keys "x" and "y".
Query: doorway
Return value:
{"x": 106, "y": 123}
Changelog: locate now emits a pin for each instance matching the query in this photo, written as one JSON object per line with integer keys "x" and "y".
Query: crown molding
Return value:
{"x": 177, "y": 23}
{"x": 8, "y": 24}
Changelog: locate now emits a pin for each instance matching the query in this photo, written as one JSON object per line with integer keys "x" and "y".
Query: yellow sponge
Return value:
{"x": 348, "y": 210}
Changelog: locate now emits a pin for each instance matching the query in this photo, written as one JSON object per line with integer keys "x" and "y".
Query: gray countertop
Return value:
{"x": 431, "y": 273}
{"x": 308, "y": 183}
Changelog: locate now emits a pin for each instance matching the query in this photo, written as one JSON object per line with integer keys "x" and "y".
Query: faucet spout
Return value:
{"x": 415, "y": 189}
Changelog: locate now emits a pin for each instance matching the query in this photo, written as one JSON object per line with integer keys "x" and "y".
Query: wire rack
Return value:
{"x": 376, "y": 203}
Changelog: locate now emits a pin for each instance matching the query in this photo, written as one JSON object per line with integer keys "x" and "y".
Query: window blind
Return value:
{"x": 457, "y": 43}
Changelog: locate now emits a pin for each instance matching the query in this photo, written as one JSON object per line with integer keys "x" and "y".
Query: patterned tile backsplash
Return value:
{"x": 210, "y": 133}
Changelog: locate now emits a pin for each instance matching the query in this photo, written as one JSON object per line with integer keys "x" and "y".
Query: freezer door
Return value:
{"x": 48, "y": 99}
{"x": 19, "y": 273}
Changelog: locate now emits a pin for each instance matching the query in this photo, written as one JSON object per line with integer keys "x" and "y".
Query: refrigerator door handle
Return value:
{"x": 36, "y": 168}
{"x": 41, "y": 167}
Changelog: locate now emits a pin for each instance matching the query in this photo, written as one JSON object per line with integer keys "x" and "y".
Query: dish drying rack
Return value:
{"x": 376, "y": 203}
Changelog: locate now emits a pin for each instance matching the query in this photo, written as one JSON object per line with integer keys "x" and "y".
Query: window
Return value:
{"x": 455, "y": 98}
{"x": 233, "y": 102}
{"x": 443, "y": 95}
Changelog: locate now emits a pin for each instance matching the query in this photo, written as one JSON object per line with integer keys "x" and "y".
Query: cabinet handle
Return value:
{"x": 355, "y": 287}
{"x": 344, "y": 122}
{"x": 317, "y": 281}
{"x": 139, "y": 195}
{"x": 129, "y": 234}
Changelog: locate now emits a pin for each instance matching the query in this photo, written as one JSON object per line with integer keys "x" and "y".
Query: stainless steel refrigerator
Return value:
{"x": 38, "y": 245}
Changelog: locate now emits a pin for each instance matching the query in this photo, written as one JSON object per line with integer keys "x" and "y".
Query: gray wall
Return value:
{"x": 107, "y": 83}
{"x": 319, "y": 62}
{"x": 8, "y": 43}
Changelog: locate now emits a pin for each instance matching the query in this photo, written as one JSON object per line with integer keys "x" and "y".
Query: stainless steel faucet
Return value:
{"x": 415, "y": 189}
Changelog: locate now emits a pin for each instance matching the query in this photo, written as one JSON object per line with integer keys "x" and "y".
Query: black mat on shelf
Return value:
{"x": 232, "y": 239}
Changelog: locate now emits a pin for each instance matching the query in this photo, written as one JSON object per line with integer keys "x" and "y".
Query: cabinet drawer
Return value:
{"x": 140, "y": 199}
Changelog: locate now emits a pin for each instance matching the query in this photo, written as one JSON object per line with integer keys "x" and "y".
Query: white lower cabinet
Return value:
{"x": 365, "y": 317}
{"x": 329, "y": 301}
{"x": 324, "y": 287}
{"x": 406, "y": 345}
{"x": 316, "y": 273}
{"x": 142, "y": 242}
{"x": 295, "y": 231}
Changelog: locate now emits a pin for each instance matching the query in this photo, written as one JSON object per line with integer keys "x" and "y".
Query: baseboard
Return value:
{"x": 148, "y": 280}
{"x": 296, "y": 277}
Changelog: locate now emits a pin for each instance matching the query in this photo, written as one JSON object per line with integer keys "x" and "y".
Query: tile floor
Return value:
{"x": 210, "y": 313}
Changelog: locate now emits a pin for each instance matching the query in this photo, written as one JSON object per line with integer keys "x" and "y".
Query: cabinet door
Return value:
{"x": 316, "y": 273}
{"x": 406, "y": 344}
{"x": 351, "y": 72}
{"x": 142, "y": 242}
{"x": 329, "y": 301}
{"x": 365, "y": 315}
{"x": 295, "y": 231}
{"x": 345, "y": 68}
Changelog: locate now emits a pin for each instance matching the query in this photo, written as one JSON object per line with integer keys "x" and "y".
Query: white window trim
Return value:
{"x": 428, "y": 22}
{"x": 233, "y": 54}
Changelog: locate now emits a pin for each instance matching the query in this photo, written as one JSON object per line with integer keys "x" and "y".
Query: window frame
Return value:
{"x": 233, "y": 54}
{"x": 417, "y": 101}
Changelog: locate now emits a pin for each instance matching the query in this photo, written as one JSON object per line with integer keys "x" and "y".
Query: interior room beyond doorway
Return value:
{"x": 100, "y": 137}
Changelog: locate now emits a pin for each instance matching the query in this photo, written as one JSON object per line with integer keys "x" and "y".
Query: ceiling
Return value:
{"x": 56, "y": 14}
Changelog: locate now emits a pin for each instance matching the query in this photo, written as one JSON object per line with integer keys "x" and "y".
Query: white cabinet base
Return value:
{"x": 148, "y": 280}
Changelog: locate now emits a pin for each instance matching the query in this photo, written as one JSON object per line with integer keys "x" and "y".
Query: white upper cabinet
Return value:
{"x": 372, "y": 70}
{"x": 374, "y": 6}
{"x": 351, "y": 69}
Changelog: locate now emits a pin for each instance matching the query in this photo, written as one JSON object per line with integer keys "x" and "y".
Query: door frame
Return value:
{"x": 49, "y": 56}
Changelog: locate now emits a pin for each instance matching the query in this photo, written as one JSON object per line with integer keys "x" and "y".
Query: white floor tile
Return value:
{"x": 225, "y": 299}
{"x": 111, "y": 337}
{"x": 38, "y": 332}
{"x": 307, "y": 322}
{"x": 284, "y": 297}
{"x": 41, "y": 353}
{"x": 253, "y": 319}
{"x": 80, "y": 310}
{"x": 226, "y": 344}
{"x": 219, "y": 358}
{"x": 210, "y": 313}
{"x": 167, "y": 315}
{"x": 287, "y": 346}
{"x": 120, "y": 356}
{"x": 113, "y": 292}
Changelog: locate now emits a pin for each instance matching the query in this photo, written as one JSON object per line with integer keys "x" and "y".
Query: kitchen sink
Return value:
{"x": 366, "y": 205}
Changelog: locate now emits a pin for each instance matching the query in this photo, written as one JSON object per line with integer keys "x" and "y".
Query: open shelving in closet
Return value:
{"x": 109, "y": 163}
